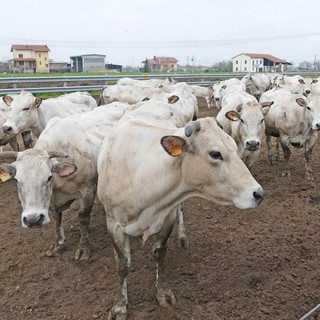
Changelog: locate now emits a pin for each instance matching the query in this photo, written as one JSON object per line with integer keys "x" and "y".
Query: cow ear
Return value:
{"x": 37, "y": 102}
{"x": 7, "y": 100}
{"x": 64, "y": 169}
{"x": 233, "y": 115}
{"x": 266, "y": 104}
{"x": 173, "y": 99}
{"x": 301, "y": 102}
{"x": 173, "y": 145}
{"x": 7, "y": 171}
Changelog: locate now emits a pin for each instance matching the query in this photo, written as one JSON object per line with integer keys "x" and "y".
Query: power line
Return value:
{"x": 161, "y": 44}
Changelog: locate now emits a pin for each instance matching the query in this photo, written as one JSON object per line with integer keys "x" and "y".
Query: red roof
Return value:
{"x": 37, "y": 48}
{"x": 266, "y": 56}
{"x": 159, "y": 60}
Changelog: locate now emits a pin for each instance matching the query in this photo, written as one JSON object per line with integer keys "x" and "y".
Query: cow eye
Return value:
{"x": 262, "y": 120}
{"x": 25, "y": 109}
{"x": 241, "y": 120}
{"x": 308, "y": 108}
{"x": 49, "y": 179}
{"x": 15, "y": 180}
{"x": 215, "y": 155}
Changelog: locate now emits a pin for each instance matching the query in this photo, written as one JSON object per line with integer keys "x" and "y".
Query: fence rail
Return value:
{"x": 14, "y": 83}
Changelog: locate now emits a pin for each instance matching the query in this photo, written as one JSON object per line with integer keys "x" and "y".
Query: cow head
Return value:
{"x": 35, "y": 172}
{"x": 250, "y": 118}
{"x": 23, "y": 114}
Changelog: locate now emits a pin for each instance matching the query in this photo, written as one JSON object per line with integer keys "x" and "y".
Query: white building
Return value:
{"x": 258, "y": 62}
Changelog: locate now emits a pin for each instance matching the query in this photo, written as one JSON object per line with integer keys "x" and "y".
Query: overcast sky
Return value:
{"x": 127, "y": 32}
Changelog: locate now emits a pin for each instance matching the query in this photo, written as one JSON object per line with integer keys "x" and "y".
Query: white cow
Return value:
{"x": 256, "y": 84}
{"x": 204, "y": 92}
{"x": 47, "y": 183}
{"x": 127, "y": 94}
{"x": 295, "y": 120}
{"x": 145, "y": 83}
{"x": 148, "y": 178}
{"x": 31, "y": 113}
{"x": 242, "y": 117}
{"x": 295, "y": 84}
{"x": 11, "y": 139}
{"x": 225, "y": 87}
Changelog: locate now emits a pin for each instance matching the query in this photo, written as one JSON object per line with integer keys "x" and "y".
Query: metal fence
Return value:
{"x": 42, "y": 84}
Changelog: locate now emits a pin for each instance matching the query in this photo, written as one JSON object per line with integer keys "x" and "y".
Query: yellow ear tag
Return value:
{"x": 5, "y": 176}
{"x": 176, "y": 151}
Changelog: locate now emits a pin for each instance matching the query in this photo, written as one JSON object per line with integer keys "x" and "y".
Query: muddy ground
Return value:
{"x": 255, "y": 264}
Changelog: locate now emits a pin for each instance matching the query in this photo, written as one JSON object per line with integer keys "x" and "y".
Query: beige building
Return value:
{"x": 29, "y": 58}
{"x": 163, "y": 64}
{"x": 258, "y": 62}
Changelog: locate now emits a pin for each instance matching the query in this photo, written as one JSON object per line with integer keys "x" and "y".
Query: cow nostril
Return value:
{"x": 34, "y": 222}
{"x": 6, "y": 129}
{"x": 217, "y": 99}
{"x": 258, "y": 196}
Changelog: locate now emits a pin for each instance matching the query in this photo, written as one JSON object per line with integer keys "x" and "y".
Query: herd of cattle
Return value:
{"x": 143, "y": 152}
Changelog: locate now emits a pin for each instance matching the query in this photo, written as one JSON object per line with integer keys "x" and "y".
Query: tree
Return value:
{"x": 146, "y": 66}
{"x": 223, "y": 66}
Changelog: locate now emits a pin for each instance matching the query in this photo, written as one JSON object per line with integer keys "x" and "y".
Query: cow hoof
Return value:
{"x": 183, "y": 243}
{"x": 54, "y": 250}
{"x": 82, "y": 254}
{"x": 118, "y": 313}
{"x": 166, "y": 298}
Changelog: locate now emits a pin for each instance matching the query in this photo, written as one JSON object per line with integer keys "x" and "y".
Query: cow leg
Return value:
{"x": 277, "y": 152}
{"x": 182, "y": 236}
{"x": 121, "y": 244}
{"x": 57, "y": 246}
{"x": 269, "y": 145}
{"x": 308, "y": 153}
{"x": 286, "y": 155}
{"x": 86, "y": 203}
{"x": 165, "y": 296}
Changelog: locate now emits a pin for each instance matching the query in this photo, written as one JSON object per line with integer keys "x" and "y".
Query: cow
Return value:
{"x": 256, "y": 84}
{"x": 141, "y": 182}
{"x": 225, "y": 87}
{"x": 295, "y": 120}
{"x": 46, "y": 182}
{"x": 127, "y": 94}
{"x": 32, "y": 113}
{"x": 295, "y": 84}
{"x": 10, "y": 138}
{"x": 145, "y": 83}
{"x": 242, "y": 117}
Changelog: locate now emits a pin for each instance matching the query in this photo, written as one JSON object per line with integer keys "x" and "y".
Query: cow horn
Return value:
{"x": 191, "y": 127}
{"x": 8, "y": 155}
{"x": 57, "y": 154}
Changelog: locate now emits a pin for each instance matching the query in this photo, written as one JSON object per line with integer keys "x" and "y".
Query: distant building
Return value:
{"x": 258, "y": 62}
{"x": 29, "y": 58}
{"x": 88, "y": 62}
{"x": 162, "y": 64}
{"x": 59, "y": 66}
{"x": 113, "y": 67}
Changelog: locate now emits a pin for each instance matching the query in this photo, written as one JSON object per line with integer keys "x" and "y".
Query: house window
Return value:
{"x": 39, "y": 55}
{"x": 40, "y": 63}
{"x": 245, "y": 61}
{"x": 236, "y": 68}
{"x": 21, "y": 63}
{"x": 20, "y": 55}
{"x": 236, "y": 61}
{"x": 245, "y": 68}
{"x": 46, "y": 65}
{"x": 45, "y": 58}
{"x": 252, "y": 62}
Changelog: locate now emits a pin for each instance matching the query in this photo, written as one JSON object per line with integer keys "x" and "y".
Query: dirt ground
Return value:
{"x": 253, "y": 264}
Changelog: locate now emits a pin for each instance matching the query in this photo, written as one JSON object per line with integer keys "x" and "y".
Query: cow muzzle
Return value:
{"x": 34, "y": 220}
{"x": 253, "y": 145}
{"x": 7, "y": 129}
